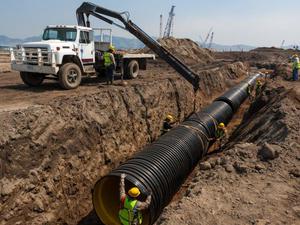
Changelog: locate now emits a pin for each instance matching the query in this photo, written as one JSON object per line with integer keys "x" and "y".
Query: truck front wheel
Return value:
{"x": 69, "y": 76}
{"x": 32, "y": 79}
{"x": 132, "y": 70}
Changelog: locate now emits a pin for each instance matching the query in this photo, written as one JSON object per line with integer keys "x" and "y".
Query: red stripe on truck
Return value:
{"x": 86, "y": 60}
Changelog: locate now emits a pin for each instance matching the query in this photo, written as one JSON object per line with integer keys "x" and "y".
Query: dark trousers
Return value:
{"x": 295, "y": 74}
{"x": 109, "y": 73}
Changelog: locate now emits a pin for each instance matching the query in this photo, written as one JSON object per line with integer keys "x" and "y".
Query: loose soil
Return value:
{"x": 4, "y": 62}
{"x": 245, "y": 183}
{"x": 55, "y": 144}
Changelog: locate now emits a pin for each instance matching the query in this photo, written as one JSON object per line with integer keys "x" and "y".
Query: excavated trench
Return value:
{"x": 52, "y": 154}
{"x": 258, "y": 171}
{"x": 166, "y": 163}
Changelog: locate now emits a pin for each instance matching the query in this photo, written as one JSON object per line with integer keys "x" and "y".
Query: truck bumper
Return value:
{"x": 35, "y": 69}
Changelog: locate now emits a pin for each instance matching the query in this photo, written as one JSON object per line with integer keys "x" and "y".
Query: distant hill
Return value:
{"x": 128, "y": 43}
{"x": 240, "y": 47}
{"x": 237, "y": 48}
{"x": 119, "y": 42}
{"x": 11, "y": 42}
{"x": 227, "y": 48}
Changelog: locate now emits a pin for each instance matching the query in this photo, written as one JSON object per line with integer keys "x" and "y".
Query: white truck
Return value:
{"x": 67, "y": 53}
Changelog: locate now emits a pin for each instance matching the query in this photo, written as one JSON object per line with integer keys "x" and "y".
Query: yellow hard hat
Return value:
{"x": 221, "y": 125}
{"x": 134, "y": 192}
{"x": 111, "y": 47}
{"x": 170, "y": 117}
{"x": 258, "y": 81}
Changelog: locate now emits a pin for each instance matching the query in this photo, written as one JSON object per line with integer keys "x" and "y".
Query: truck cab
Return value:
{"x": 67, "y": 53}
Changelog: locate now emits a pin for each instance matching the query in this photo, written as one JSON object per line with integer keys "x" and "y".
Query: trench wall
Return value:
{"x": 51, "y": 155}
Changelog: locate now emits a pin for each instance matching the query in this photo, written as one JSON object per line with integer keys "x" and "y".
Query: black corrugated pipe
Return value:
{"x": 165, "y": 164}
{"x": 237, "y": 94}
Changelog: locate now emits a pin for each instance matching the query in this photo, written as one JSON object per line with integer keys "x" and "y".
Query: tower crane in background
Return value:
{"x": 282, "y": 44}
{"x": 170, "y": 24}
{"x": 207, "y": 37}
{"x": 161, "y": 26}
{"x": 211, "y": 39}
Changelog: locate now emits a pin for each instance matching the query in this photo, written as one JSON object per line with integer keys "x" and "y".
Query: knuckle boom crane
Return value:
{"x": 87, "y": 9}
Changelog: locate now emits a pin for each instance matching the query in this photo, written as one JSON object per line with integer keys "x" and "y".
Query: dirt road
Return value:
{"x": 16, "y": 95}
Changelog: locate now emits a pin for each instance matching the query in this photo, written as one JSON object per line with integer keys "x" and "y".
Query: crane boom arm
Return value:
{"x": 87, "y": 9}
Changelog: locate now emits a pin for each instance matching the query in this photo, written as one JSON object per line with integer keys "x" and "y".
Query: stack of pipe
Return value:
{"x": 162, "y": 167}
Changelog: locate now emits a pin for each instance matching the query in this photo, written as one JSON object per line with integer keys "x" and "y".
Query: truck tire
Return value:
{"x": 69, "y": 76}
{"x": 132, "y": 70}
{"x": 32, "y": 79}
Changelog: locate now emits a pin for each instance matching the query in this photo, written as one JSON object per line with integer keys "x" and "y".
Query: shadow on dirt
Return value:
{"x": 52, "y": 85}
{"x": 90, "y": 219}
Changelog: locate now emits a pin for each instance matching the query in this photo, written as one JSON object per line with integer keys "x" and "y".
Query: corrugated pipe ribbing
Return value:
{"x": 163, "y": 166}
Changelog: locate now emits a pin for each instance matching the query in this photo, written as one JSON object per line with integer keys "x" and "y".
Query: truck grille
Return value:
{"x": 32, "y": 55}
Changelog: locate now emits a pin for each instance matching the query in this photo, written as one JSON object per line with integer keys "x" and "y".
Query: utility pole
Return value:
{"x": 161, "y": 26}
{"x": 170, "y": 24}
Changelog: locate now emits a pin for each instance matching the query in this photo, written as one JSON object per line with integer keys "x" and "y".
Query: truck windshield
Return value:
{"x": 63, "y": 34}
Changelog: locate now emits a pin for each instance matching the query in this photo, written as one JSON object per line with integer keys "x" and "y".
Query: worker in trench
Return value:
{"x": 295, "y": 67}
{"x": 221, "y": 136}
{"x": 130, "y": 207}
{"x": 250, "y": 92}
{"x": 109, "y": 64}
{"x": 168, "y": 124}
{"x": 258, "y": 87}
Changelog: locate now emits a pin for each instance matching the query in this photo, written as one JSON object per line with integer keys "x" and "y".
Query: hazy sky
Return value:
{"x": 254, "y": 22}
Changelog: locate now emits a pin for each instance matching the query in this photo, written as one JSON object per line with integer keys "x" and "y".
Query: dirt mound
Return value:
{"x": 188, "y": 51}
{"x": 53, "y": 153}
{"x": 256, "y": 179}
{"x": 267, "y": 49}
{"x": 4, "y": 62}
{"x": 283, "y": 70}
{"x": 260, "y": 57}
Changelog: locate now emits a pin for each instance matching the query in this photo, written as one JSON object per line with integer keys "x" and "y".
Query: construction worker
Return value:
{"x": 250, "y": 92}
{"x": 168, "y": 123}
{"x": 221, "y": 134}
{"x": 258, "y": 87}
{"x": 295, "y": 67}
{"x": 130, "y": 209}
{"x": 109, "y": 64}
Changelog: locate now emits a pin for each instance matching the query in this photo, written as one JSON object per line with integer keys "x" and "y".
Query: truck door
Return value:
{"x": 86, "y": 47}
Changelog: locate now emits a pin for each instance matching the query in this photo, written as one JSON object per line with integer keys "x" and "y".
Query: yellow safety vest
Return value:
{"x": 249, "y": 89}
{"x": 129, "y": 212}
{"x": 107, "y": 59}
{"x": 296, "y": 65}
{"x": 220, "y": 133}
